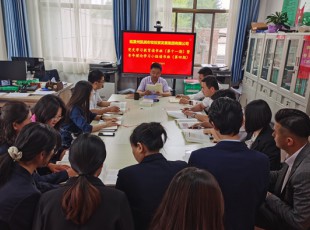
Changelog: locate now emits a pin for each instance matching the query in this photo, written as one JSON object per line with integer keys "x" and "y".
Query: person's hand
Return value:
{"x": 114, "y": 109}
{"x": 189, "y": 113}
{"x": 184, "y": 101}
{"x": 179, "y": 95}
{"x": 71, "y": 172}
{"x": 196, "y": 126}
{"x": 158, "y": 93}
{"x": 106, "y": 119}
{"x": 57, "y": 168}
{"x": 110, "y": 124}
{"x": 213, "y": 136}
{"x": 147, "y": 92}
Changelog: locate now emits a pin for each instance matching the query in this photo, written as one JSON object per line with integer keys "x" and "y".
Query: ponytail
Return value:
{"x": 80, "y": 201}
{"x": 6, "y": 167}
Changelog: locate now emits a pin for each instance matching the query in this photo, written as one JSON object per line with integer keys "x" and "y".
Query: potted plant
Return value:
{"x": 277, "y": 21}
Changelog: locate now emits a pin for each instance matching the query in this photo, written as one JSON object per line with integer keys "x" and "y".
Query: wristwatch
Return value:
{"x": 102, "y": 117}
{"x": 193, "y": 115}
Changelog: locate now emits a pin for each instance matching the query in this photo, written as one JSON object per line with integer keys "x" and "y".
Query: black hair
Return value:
{"x": 224, "y": 93}
{"x": 95, "y": 76}
{"x": 80, "y": 97}
{"x": 32, "y": 140}
{"x": 257, "y": 115}
{"x": 156, "y": 65}
{"x": 46, "y": 109}
{"x": 295, "y": 121}
{"x": 211, "y": 82}
{"x": 13, "y": 111}
{"x": 226, "y": 115}
{"x": 149, "y": 134}
{"x": 86, "y": 155}
{"x": 205, "y": 71}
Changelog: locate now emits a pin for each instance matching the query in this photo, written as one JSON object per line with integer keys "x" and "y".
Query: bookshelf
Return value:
{"x": 277, "y": 70}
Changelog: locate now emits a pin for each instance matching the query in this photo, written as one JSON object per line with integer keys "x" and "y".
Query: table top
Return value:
{"x": 119, "y": 153}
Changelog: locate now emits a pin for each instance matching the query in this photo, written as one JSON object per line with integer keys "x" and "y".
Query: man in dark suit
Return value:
{"x": 241, "y": 173}
{"x": 287, "y": 205}
{"x": 145, "y": 183}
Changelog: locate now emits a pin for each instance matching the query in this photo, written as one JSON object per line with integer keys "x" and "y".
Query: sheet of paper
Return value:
{"x": 121, "y": 104}
{"x": 174, "y": 100}
{"x": 158, "y": 87}
{"x": 110, "y": 129}
{"x": 42, "y": 92}
{"x": 17, "y": 95}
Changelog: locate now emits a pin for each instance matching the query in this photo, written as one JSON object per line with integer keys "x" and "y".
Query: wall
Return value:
{"x": 3, "y": 54}
{"x": 268, "y": 7}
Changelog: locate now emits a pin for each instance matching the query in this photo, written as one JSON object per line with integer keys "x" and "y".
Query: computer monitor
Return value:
{"x": 13, "y": 70}
{"x": 33, "y": 64}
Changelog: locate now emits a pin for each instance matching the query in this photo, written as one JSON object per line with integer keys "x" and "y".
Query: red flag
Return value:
{"x": 299, "y": 15}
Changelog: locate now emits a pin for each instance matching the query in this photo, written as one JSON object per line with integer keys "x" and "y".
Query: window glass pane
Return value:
{"x": 182, "y": 3}
{"x": 219, "y": 39}
{"x": 213, "y": 4}
{"x": 184, "y": 22}
{"x": 203, "y": 33}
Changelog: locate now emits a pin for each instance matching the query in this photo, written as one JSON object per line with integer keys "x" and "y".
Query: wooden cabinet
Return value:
{"x": 278, "y": 66}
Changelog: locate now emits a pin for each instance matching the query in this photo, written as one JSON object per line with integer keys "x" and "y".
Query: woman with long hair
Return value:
{"x": 33, "y": 148}
{"x": 50, "y": 110}
{"x": 259, "y": 132}
{"x": 78, "y": 116}
{"x": 84, "y": 202}
{"x": 192, "y": 201}
{"x": 14, "y": 116}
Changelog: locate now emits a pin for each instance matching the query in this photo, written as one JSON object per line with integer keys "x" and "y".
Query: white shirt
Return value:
{"x": 94, "y": 100}
{"x": 206, "y": 102}
{"x": 290, "y": 161}
{"x": 197, "y": 96}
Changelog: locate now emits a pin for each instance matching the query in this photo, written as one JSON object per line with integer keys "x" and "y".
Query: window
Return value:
{"x": 77, "y": 30}
{"x": 208, "y": 19}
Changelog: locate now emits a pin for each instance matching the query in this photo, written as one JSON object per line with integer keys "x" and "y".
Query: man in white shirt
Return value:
{"x": 96, "y": 78}
{"x": 287, "y": 204}
{"x": 209, "y": 86}
{"x": 185, "y": 99}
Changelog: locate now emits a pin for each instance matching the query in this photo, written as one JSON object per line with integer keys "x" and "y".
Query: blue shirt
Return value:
{"x": 77, "y": 124}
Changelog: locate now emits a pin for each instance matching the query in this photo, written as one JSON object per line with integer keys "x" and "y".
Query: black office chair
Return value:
{"x": 4, "y": 225}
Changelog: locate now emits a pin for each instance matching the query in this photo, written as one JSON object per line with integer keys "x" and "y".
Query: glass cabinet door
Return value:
{"x": 304, "y": 70}
{"x": 277, "y": 61}
{"x": 257, "y": 55}
{"x": 289, "y": 63}
{"x": 267, "y": 59}
{"x": 250, "y": 55}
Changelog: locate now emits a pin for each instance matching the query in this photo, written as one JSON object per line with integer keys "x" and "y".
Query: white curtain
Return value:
{"x": 231, "y": 30}
{"x": 161, "y": 10}
{"x": 3, "y": 53}
{"x": 70, "y": 34}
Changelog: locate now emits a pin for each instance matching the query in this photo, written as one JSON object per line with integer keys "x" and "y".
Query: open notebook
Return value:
{"x": 110, "y": 129}
{"x": 158, "y": 87}
{"x": 196, "y": 136}
{"x": 186, "y": 123}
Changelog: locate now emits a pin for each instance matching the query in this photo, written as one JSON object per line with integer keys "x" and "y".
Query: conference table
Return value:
{"x": 119, "y": 153}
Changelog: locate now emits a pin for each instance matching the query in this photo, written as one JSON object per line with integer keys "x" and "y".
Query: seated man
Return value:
{"x": 209, "y": 86}
{"x": 96, "y": 78}
{"x": 154, "y": 79}
{"x": 185, "y": 99}
{"x": 287, "y": 204}
{"x": 241, "y": 173}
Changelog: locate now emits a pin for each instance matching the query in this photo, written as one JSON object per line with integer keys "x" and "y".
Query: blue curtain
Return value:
{"x": 16, "y": 28}
{"x": 121, "y": 20}
{"x": 143, "y": 15}
{"x": 248, "y": 13}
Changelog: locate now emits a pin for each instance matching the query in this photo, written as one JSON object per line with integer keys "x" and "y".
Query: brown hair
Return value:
{"x": 193, "y": 201}
{"x": 81, "y": 199}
